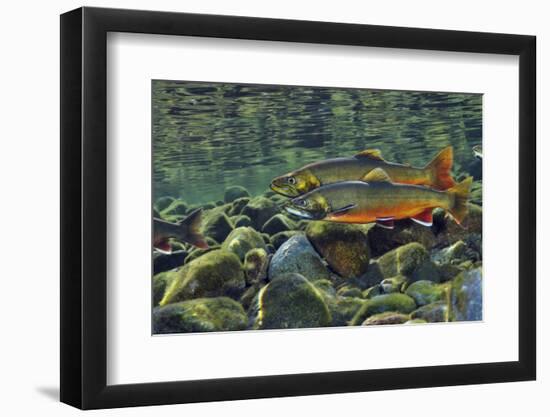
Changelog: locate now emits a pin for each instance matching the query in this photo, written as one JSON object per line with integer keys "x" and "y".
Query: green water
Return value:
{"x": 207, "y": 136}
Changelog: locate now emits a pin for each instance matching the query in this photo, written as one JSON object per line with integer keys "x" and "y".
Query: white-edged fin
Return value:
{"x": 163, "y": 247}
{"x": 342, "y": 210}
{"x": 423, "y": 223}
{"x": 425, "y": 218}
{"x": 386, "y": 224}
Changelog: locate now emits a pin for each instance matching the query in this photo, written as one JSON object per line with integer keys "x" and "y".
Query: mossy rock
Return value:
{"x": 343, "y": 246}
{"x": 209, "y": 206}
{"x": 163, "y": 202}
{"x": 278, "y": 223}
{"x": 415, "y": 321}
{"x": 349, "y": 291}
{"x": 197, "y": 252}
{"x": 250, "y": 295}
{"x": 260, "y": 210}
{"x": 156, "y": 214}
{"x": 411, "y": 260}
{"x": 234, "y": 192}
{"x": 393, "y": 284}
{"x": 241, "y": 240}
{"x": 266, "y": 238}
{"x": 437, "y": 312}
{"x": 297, "y": 255}
{"x": 238, "y": 205}
{"x": 176, "y": 207}
{"x": 389, "y": 317}
{"x": 466, "y": 296}
{"x": 325, "y": 285}
{"x": 216, "y": 273}
{"x": 396, "y": 302}
{"x": 343, "y": 309}
{"x": 290, "y": 301}
{"x": 373, "y": 291}
{"x": 426, "y": 292}
{"x": 255, "y": 265}
{"x": 217, "y": 225}
{"x": 200, "y": 315}
{"x": 162, "y": 281}
{"x": 279, "y": 238}
{"x": 240, "y": 220}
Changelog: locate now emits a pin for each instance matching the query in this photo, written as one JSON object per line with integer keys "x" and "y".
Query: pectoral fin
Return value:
{"x": 371, "y": 154}
{"x": 386, "y": 223}
{"x": 377, "y": 175}
{"x": 341, "y": 211}
{"x": 425, "y": 218}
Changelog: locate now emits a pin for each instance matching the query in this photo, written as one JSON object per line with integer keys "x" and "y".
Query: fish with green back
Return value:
{"x": 187, "y": 230}
{"x": 437, "y": 174}
{"x": 378, "y": 199}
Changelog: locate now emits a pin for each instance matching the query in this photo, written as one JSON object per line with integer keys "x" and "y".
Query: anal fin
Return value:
{"x": 386, "y": 223}
{"x": 425, "y": 218}
{"x": 164, "y": 247}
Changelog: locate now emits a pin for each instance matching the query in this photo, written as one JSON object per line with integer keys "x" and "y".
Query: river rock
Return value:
{"x": 278, "y": 223}
{"x": 388, "y": 317}
{"x": 175, "y": 210}
{"x": 255, "y": 265}
{"x": 297, "y": 255}
{"x": 393, "y": 284}
{"x": 260, "y": 210}
{"x": 241, "y": 220}
{"x": 396, "y": 302}
{"x": 162, "y": 202}
{"x": 279, "y": 238}
{"x": 200, "y": 315}
{"x": 238, "y": 205}
{"x": 382, "y": 240}
{"x": 466, "y": 298}
{"x": 343, "y": 246}
{"x": 234, "y": 192}
{"x": 290, "y": 301}
{"x": 433, "y": 313}
{"x": 241, "y": 240}
{"x": 217, "y": 225}
{"x": 448, "y": 232}
{"x": 161, "y": 282}
{"x": 425, "y": 292}
{"x": 349, "y": 291}
{"x": 216, "y": 273}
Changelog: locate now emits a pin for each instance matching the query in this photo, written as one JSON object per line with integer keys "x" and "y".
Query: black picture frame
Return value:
{"x": 84, "y": 207}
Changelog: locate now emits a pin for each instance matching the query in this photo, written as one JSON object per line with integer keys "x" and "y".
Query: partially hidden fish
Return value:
{"x": 478, "y": 151}
{"x": 378, "y": 199}
{"x": 187, "y": 230}
{"x": 437, "y": 174}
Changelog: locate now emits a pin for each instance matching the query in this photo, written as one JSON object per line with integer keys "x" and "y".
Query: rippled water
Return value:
{"x": 207, "y": 136}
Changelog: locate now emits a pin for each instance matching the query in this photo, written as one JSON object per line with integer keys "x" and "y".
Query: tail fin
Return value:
{"x": 461, "y": 194}
{"x": 190, "y": 229}
{"x": 440, "y": 169}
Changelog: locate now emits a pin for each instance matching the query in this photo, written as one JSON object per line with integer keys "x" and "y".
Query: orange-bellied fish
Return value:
{"x": 379, "y": 200}
{"x": 437, "y": 174}
{"x": 187, "y": 230}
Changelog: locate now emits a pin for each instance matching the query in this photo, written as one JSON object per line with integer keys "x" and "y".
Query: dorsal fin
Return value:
{"x": 370, "y": 153}
{"x": 377, "y": 175}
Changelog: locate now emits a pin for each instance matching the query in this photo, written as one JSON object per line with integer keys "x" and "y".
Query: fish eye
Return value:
{"x": 291, "y": 180}
{"x": 302, "y": 203}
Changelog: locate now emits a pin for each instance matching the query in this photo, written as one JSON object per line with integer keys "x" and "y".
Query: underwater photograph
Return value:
{"x": 285, "y": 207}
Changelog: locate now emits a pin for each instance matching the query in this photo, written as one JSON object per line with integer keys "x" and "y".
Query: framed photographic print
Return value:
{"x": 258, "y": 207}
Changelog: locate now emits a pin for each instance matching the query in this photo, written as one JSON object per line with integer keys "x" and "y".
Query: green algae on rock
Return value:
{"x": 395, "y": 302}
{"x": 279, "y": 238}
{"x": 234, "y": 192}
{"x": 243, "y": 239}
{"x": 176, "y": 207}
{"x": 290, "y": 301}
{"x": 162, "y": 202}
{"x": 466, "y": 296}
{"x": 343, "y": 246}
{"x": 161, "y": 282}
{"x": 260, "y": 210}
{"x": 388, "y": 317}
{"x": 433, "y": 313}
{"x": 216, "y": 273}
{"x": 217, "y": 225}
{"x": 255, "y": 265}
{"x": 411, "y": 260}
{"x": 278, "y": 223}
{"x": 200, "y": 315}
{"x": 426, "y": 292}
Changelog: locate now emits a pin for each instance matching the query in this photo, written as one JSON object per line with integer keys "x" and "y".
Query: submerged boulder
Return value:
{"x": 161, "y": 282}
{"x": 214, "y": 274}
{"x": 238, "y": 205}
{"x": 241, "y": 240}
{"x": 167, "y": 261}
{"x": 200, "y": 315}
{"x": 432, "y": 313}
{"x": 297, "y": 255}
{"x": 466, "y": 297}
{"x": 260, "y": 210}
{"x": 278, "y": 223}
{"x": 241, "y": 220}
{"x": 388, "y": 317}
{"x": 162, "y": 202}
{"x": 426, "y": 292}
{"x": 279, "y": 238}
{"x": 405, "y": 231}
{"x": 255, "y": 265}
{"x": 217, "y": 225}
{"x": 176, "y": 207}
{"x": 395, "y": 302}
{"x": 234, "y": 192}
{"x": 289, "y": 301}
{"x": 343, "y": 246}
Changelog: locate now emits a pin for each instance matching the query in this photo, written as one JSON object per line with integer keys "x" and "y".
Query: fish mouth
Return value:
{"x": 283, "y": 190}
{"x": 298, "y": 212}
